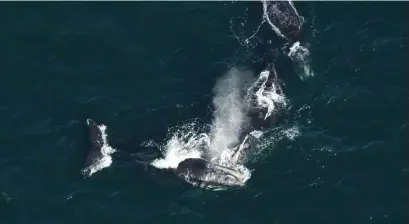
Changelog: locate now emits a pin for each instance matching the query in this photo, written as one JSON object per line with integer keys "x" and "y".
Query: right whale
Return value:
{"x": 283, "y": 18}
{"x": 206, "y": 172}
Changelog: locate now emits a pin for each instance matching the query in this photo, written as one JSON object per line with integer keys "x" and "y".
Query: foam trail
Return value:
{"x": 106, "y": 159}
{"x": 240, "y": 35}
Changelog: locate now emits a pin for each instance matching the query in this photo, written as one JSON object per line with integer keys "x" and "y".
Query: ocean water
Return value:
{"x": 338, "y": 153}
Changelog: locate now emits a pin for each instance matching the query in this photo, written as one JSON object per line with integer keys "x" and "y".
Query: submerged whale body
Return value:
{"x": 284, "y": 17}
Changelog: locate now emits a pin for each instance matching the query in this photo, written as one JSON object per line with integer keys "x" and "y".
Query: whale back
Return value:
{"x": 284, "y": 16}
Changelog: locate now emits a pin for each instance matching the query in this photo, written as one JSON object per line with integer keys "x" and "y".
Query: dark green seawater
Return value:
{"x": 142, "y": 68}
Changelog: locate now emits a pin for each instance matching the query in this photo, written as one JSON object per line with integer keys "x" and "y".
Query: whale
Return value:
{"x": 205, "y": 173}
{"x": 199, "y": 171}
{"x": 283, "y": 18}
{"x": 193, "y": 170}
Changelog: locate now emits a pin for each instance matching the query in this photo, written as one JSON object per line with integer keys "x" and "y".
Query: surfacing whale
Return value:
{"x": 283, "y": 18}
{"x": 198, "y": 171}
{"x": 201, "y": 171}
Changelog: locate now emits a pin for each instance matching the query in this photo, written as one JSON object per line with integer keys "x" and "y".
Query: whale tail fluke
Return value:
{"x": 95, "y": 134}
{"x": 99, "y": 154}
{"x": 95, "y": 137}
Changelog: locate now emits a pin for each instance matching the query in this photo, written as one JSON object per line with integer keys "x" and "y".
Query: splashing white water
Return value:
{"x": 106, "y": 159}
{"x": 229, "y": 120}
{"x": 185, "y": 143}
{"x": 266, "y": 95}
{"x": 220, "y": 143}
{"x": 292, "y": 132}
{"x": 256, "y": 133}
